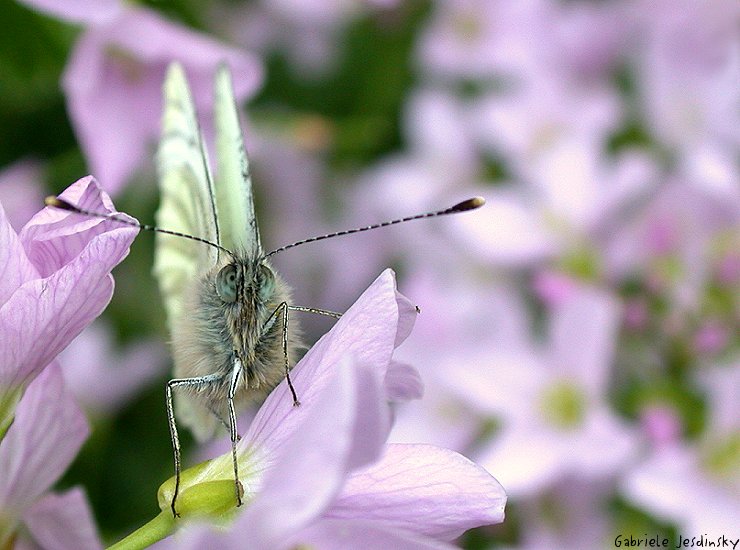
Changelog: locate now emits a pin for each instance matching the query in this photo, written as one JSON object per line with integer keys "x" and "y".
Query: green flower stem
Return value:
{"x": 155, "y": 530}
{"x": 211, "y": 501}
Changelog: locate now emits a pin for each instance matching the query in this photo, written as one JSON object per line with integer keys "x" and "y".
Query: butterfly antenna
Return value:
{"x": 464, "y": 206}
{"x": 56, "y": 202}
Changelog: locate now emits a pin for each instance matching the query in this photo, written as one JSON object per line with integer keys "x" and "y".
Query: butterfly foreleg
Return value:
{"x": 317, "y": 311}
{"x": 233, "y": 432}
{"x": 196, "y": 382}
{"x": 282, "y": 311}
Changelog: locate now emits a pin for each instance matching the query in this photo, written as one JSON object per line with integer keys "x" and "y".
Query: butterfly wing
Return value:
{"x": 187, "y": 203}
{"x": 237, "y": 223}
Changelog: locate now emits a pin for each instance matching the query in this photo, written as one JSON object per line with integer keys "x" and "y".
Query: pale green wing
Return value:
{"x": 237, "y": 223}
{"x": 187, "y": 203}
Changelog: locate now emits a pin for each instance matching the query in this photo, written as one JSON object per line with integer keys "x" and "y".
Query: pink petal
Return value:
{"x": 104, "y": 378}
{"x": 367, "y": 332}
{"x": 332, "y": 534}
{"x": 402, "y": 382}
{"x": 20, "y": 190}
{"x": 63, "y": 522}
{"x": 583, "y": 333}
{"x": 407, "y": 313}
{"x": 422, "y": 489}
{"x": 78, "y": 11}
{"x": 309, "y": 468}
{"x": 113, "y": 86}
{"x": 15, "y": 268}
{"x": 54, "y": 237}
{"x": 44, "y": 315}
{"x": 47, "y": 432}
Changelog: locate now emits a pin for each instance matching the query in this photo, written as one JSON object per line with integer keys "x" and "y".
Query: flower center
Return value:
{"x": 468, "y": 27}
{"x": 563, "y": 405}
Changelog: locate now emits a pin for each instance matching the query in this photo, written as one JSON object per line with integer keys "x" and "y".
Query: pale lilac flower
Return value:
{"x": 482, "y": 39}
{"x": 688, "y": 62}
{"x": 321, "y": 474}
{"x": 114, "y": 77}
{"x": 513, "y": 41}
{"x": 588, "y": 39}
{"x": 21, "y": 191}
{"x": 678, "y": 225}
{"x": 552, "y": 402}
{"x": 661, "y": 424}
{"x": 569, "y": 515}
{"x": 697, "y": 486}
{"x": 103, "y": 378}
{"x": 54, "y": 280}
{"x": 575, "y": 203}
{"x": 440, "y": 168}
{"x": 542, "y": 123}
{"x": 461, "y": 316}
{"x": 306, "y": 32}
{"x": 79, "y": 11}
{"x": 48, "y": 431}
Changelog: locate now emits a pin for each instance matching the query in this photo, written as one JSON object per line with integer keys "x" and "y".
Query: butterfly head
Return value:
{"x": 245, "y": 282}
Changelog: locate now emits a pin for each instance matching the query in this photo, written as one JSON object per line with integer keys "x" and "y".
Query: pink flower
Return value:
{"x": 79, "y": 11}
{"x": 552, "y": 403}
{"x": 20, "y": 191}
{"x": 697, "y": 485}
{"x": 54, "y": 280}
{"x": 114, "y": 76}
{"x": 321, "y": 475}
{"x": 48, "y": 430}
{"x": 104, "y": 378}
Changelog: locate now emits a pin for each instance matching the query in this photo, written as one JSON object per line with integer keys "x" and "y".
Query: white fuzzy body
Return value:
{"x": 210, "y": 334}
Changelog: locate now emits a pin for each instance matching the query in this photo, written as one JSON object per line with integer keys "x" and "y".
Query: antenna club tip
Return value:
{"x": 470, "y": 204}
{"x": 56, "y": 202}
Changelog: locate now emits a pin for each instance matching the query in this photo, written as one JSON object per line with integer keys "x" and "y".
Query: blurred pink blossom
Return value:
{"x": 21, "y": 191}
{"x": 103, "y": 378}
{"x": 306, "y": 32}
{"x": 552, "y": 402}
{"x": 669, "y": 239}
{"x": 568, "y": 515}
{"x": 661, "y": 424}
{"x": 697, "y": 485}
{"x": 114, "y": 76}
{"x": 79, "y": 11}
{"x": 481, "y": 39}
{"x": 688, "y": 62}
{"x": 460, "y": 317}
{"x": 48, "y": 431}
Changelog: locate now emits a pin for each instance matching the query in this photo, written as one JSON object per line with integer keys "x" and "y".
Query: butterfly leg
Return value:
{"x": 317, "y": 311}
{"x": 236, "y": 371}
{"x": 192, "y": 383}
{"x": 283, "y": 310}
{"x": 283, "y": 307}
{"x": 287, "y": 308}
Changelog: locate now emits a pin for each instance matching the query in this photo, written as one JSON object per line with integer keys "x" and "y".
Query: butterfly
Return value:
{"x": 228, "y": 311}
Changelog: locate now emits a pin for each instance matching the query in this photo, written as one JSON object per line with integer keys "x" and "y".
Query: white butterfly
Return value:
{"x": 227, "y": 308}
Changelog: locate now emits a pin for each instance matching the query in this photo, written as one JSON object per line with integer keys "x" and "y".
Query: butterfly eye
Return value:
{"x": 267, "y": 282}
{"x": 226, "y": 283}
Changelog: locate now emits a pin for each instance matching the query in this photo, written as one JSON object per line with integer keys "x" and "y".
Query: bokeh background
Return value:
{"x": 578, "y": 335}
